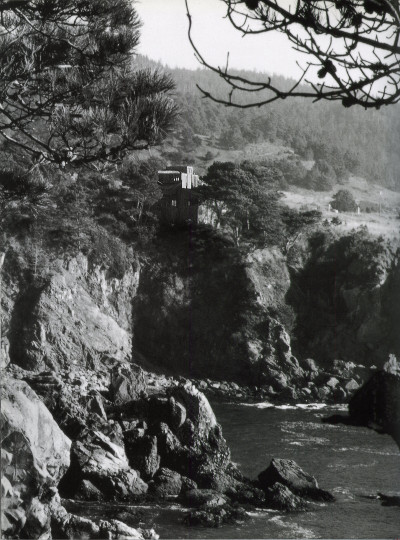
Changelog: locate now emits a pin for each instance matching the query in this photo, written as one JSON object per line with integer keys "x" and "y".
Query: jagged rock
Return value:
{"x": 88, "y": 492}
{"x": 142, "y": 453}
{"x": 35, "y": 454}
{"x": 279, "y": 497}
{"x": 96, "y": 405}
{"x": 377, "y": 403}
{"x": 187, "y": 484}
{"x": 288, "y": 473}
{"x": 200, "y": 497}
{"x": 37, "y": 519}
{"x": 105, "y": 464}
{"x": 166, "y": 483}
{"x": 128, "y": 383}
{"x": 167, "y": 442}
{"x": 215, "y": 516}
{"x": 245, "y": 493}
{"x": 71, "y": 322}
{"x": 27, "y": 428}
{"x": 4, "y": 352}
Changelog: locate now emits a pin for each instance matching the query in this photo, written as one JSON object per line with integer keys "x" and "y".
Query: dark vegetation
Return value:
{"x": 336, "y": 296}
{"x": 340, "y": 141}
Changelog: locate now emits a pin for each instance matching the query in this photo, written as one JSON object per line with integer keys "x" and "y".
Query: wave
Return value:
{"x": 293, "y": 407}
{"x": 261, "y": 405}
{"x": 297, "y": 530}
{"x": 365, "y": 450}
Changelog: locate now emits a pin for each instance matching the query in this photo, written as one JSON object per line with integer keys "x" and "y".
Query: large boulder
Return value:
{"x": 142, "y": 453}
{"x": 279, "y": 497}
{"x": 105, "y": 465}
{"x": 166, "y": 483}
{"x": 377, "y": 403}
{"x": 35, "y": 455}
{"x": 198, "y": 409}
{"x": 288, "y": 473}
{"x": 27, "y": 427}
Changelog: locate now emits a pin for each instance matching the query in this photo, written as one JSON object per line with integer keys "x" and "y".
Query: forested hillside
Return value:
{"x": 366, "y": 143}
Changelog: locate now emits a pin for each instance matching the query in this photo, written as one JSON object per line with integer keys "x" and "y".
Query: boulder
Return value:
{"x": 187, "y": 485}
{"x": 216, "y": 516}
{"x": 28, "y": 429}
{"x": 142, "y": 453}
{"x": 35, "y": 454}
{"x": 128, "y": 383}
{"x": 351, "y": 385}
{"x": 105, "y": 464}
{"x": 198, "y": 409}
{"x": 280, "y": 497}
{"x": 288, "y": 473}
{"x": 200, "y": 497}
{"x": 377, "y": 403}
{"x": 166, "y": 483}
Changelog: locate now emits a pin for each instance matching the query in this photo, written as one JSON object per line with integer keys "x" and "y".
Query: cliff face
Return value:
{"x": 205, "y": 312}
{"x": 346, "y": 297}
{"x": 76, "y": 317}
{"x": 196, "y": 307}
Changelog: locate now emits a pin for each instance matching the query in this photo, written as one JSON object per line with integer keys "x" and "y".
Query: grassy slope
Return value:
{"x": 385, "y": 223}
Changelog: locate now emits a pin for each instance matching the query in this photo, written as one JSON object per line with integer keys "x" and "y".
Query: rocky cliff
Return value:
{"x": 195, "y": 306}
{"x": 82, "y": 418}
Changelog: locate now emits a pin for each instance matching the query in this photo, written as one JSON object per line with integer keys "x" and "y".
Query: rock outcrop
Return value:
{"x": 377, "y": 403}
{"x": 77, "y": 317}
{"x": 286, "y": 472}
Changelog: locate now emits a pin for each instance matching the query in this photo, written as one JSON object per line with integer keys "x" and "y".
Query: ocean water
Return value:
{"x": 353, "y": 463}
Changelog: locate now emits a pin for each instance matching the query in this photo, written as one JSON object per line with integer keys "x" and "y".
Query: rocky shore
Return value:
{"x": 92, "y": 412}
{"x": 89, "y": 437}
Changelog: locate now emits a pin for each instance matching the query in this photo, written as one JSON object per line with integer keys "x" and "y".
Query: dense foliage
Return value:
{"x": 69, "y": 90}
{"x": 364, "y": 143}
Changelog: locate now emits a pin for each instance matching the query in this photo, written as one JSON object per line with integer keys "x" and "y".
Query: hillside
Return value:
{"x": 364, "y": 143}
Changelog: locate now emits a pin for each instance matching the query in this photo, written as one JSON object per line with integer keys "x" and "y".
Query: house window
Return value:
{"x": 188, "y": 203}
{"x": 173, "y": 202}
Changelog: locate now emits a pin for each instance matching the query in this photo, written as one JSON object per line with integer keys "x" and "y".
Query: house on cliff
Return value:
{"x": 180, "y": 202}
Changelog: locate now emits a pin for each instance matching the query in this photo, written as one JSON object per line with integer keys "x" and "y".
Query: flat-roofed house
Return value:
{"x": 180, "y": 203}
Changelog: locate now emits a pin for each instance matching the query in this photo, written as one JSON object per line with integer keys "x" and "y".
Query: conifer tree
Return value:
{"x": 69, "y": 89}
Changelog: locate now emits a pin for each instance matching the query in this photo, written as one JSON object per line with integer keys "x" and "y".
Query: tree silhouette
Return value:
{"x": 69, "y": 89}
{"x": 352, "y": 47}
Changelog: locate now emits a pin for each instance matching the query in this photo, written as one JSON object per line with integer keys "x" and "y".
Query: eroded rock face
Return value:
{"x": 77, "y": 317}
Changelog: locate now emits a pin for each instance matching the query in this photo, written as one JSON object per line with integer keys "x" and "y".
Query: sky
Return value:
{"x": 164, "y": 38}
